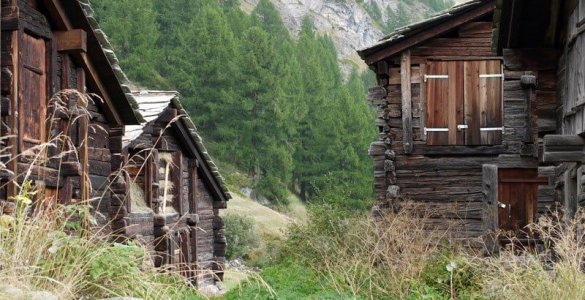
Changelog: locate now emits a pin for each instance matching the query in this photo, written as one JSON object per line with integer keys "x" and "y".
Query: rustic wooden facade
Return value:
{"x": 75, "y": 148}
{"x": 547, "y": 37}
{"x": 174, "y": 191}
{"x": 461, "y": 122}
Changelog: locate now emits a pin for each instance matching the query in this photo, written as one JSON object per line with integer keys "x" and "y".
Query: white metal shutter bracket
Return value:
{"x": 435, "y": 130}
{"x": 436, "y": 77}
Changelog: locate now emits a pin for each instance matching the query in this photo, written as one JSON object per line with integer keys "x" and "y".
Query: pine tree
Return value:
{"x": 136, "y": 43}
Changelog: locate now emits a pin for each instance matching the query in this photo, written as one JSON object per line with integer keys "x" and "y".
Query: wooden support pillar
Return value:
{"x": 406, "y": 101}
{"x": 529, "y": 82}
{"x": 490, "y": 204}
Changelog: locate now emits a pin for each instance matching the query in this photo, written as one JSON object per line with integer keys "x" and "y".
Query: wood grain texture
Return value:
{"x": 405, "y": 72}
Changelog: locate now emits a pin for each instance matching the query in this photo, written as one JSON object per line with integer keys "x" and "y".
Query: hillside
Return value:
{"x": 352, "y": 24}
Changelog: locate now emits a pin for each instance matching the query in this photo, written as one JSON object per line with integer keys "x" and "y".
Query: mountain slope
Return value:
{"x": 352, "y": 24}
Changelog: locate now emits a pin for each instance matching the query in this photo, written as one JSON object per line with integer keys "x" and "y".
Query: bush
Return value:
{"x": 241, "y": 236}
{"x": 273, "y": 189}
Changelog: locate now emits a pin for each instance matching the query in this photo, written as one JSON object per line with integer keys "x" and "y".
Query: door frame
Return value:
{"x": 490, "y": 187}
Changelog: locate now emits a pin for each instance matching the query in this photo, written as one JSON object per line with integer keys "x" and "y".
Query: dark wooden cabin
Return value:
{"x": 174, "y": 190}
{"x": 546, "y": 37}
{"x": 48, "y": 47}
{"x": 461, "y": 122}
{"x": 55, "y": 47}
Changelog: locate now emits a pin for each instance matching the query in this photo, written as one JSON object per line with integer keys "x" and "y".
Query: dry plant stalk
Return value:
{"x": 28, "y": 241}
{"x": 380, "y": 258}
{"x": 554, "y": 272}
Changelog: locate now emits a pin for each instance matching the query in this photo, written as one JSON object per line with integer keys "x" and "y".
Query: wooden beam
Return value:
{"x": 62, "y": 22}
{"x": 55, "y": 9}
{"x": 406, "y": 102}
{"x": 563, "y": 148}
{"x": 208, "y": 177}
{"x": 422, "y": 36}
{"x": 71, "y": 40}
{"x": 92, "y": 77}
{"x": 423, "y": 100}
{"x": 490, "y": 201}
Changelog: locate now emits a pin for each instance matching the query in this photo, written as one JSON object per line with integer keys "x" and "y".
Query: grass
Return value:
{"x": 269, "y": 222}
{"x": 59, "y": 249}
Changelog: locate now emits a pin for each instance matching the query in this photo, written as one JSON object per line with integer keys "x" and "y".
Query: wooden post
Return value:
{"x": 570, "y": 191}
{"x": 528, "y": 82}
{"x": 490, "y": 214}
{"x": 406, "y": 101}
{"x": 423, "y": 100}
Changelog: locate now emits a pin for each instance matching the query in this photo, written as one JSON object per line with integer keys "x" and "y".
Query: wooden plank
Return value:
{"x": 397, "y": 47}
{"x": 423, "y": 100}
{"x": 491, "y": 102}
{"x": 71, "y": 40}
{"x": 533, "y": 59}
{"x": 57, "y": 12}
{"x": 459, "y": 42}
{"x": 474, "y": 29}
{"x": 472, "y": 104}
{"x": 490, "y": 218}
{"x": 405, "y": 70}
{"x": 437, "y": 99}
{"x": 563, "y": 140}
{"x": 455, "y": 96}
{"x": 565, "y": 156}
{"x": 94, "y": 79}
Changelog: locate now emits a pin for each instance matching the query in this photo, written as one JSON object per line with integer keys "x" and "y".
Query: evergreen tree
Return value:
{"x": 134, "y": 35}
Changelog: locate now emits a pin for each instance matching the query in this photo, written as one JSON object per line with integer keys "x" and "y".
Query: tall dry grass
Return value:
{"x": 553, "y": 272}
{"x": 47, "y": 246}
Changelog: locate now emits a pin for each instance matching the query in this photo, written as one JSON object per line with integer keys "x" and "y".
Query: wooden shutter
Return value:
{"x": 483, "y": 102}
{"x": 32, "y": 91}
{"x": 444, "y": 89}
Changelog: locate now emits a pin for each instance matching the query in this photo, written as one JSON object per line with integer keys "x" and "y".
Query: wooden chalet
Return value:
{"x": 78, "y": 149}
{"x": 174, "y": 190}
{"x": 462, "y": 118}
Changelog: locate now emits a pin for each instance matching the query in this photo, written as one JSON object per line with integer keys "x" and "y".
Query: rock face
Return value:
{"x": 348, "y": 23}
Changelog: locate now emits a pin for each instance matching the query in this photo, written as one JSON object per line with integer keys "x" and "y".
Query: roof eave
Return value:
{"x": 414, "y": 34}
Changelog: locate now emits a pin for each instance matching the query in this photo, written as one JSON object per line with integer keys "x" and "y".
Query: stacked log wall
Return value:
{"x": 448, "y": 179}
{"x": 196, "y": 229}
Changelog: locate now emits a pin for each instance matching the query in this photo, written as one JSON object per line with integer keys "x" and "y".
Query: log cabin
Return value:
{"x": 174, "y": 190}
{"x": 462, "y": 119}
{"x": 71, "y": 125}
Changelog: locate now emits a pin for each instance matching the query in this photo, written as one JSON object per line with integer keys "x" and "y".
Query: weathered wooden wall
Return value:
{"x": 192, "y": 233}
{"x": 448, "y": 179}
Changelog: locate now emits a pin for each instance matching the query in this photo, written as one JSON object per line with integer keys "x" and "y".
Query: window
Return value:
{"x": 464, "y": 102}
{"x": 140, "y": 182}
{"x": 171, "y": 183}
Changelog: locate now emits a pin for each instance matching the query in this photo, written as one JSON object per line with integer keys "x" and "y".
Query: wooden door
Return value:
{"x": 33, "y": 94}
{"x": 517, "y": 203}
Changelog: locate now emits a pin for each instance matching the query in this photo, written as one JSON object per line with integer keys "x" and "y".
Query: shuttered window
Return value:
{"x": 464, "y": 102}
{"x": 32, "y": 91}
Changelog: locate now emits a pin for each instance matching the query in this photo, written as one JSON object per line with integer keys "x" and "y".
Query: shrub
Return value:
{"x": 241, "y": 236}
{"x": 273, "y": 189}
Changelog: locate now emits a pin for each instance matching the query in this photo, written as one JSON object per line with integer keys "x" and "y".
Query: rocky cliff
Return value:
{"x": 352, "y": 24}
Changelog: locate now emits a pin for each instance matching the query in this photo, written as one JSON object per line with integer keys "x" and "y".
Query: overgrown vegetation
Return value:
{"x": 341, "y": 254}
{"x": 40, "y": 252}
